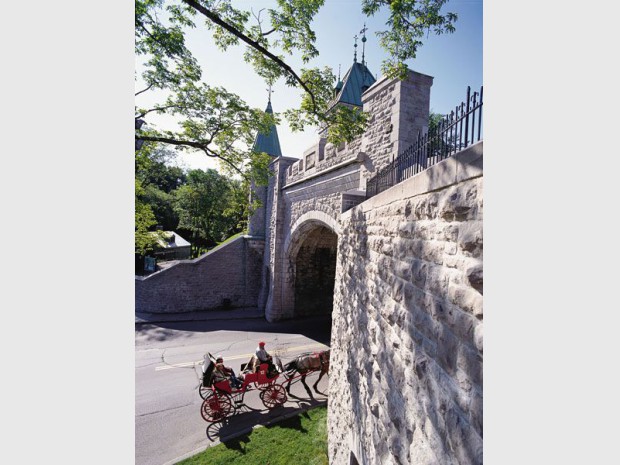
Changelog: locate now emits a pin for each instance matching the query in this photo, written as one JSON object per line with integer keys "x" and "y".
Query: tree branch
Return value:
{"x": 144, "y": 113}
{"x": 220, "y": 22}
{"x": 196, "y": 145}
{"x": 143, "y": 90}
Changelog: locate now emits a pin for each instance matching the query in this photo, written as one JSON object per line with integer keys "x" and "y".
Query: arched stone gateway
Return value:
{"x": 306, "y": 197}
{"x": 312, "y": 256}
{"x": 306, "y": 269}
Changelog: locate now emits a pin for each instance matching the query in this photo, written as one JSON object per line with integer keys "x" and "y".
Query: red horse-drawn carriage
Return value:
{"x": 221, "y": 400}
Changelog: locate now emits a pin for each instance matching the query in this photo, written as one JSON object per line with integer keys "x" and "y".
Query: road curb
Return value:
{"x": 237, "y": 314}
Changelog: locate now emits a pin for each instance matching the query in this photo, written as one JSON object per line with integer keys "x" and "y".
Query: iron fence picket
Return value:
{"x": 434, "y": 146}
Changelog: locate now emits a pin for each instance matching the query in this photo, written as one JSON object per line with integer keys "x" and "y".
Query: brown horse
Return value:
{"x": 305, "y": 364}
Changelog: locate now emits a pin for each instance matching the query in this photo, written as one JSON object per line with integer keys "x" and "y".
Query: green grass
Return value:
{"x": 299, "y": 440}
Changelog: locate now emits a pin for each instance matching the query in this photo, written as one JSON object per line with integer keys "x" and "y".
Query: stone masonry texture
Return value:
{"x": 196, "y": 285}
{"x": 406, "y": 267}
{"x": 406, "y": 358}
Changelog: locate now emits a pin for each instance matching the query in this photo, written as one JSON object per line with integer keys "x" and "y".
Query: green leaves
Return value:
{"x": 409, "y": 21}
{"x": 169, "y": 62}
{"x": 218, "y": 122}
{"x": 208, "y": 205}
{"x": 343, "y": 123}
{"x": 292, "y": 22}
{"x": 215, "y": 121}
{"x": 144, "y": 220}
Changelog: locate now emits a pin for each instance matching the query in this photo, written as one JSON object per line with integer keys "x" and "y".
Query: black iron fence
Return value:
{"x": 456, "y": 131}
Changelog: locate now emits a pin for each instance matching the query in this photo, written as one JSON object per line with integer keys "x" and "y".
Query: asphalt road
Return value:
{"x": 168, "y": 359}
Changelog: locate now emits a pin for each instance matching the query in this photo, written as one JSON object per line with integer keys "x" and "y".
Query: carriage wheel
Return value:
{"x": 204, "y": 391}
{"x": 273, "y": 396}
{"x": 216, "y": 407}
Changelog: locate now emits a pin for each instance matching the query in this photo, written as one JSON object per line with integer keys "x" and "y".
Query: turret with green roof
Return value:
{"x": 356, "y": 81}
{"x": 269, "y": 142}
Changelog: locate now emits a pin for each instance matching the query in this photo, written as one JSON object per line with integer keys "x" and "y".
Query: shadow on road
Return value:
{"x": 317, "y": 328}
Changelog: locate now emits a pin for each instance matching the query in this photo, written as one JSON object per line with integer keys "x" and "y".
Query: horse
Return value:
{"x": 305, "y": 364}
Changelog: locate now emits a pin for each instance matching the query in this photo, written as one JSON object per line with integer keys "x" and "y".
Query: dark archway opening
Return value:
{"x": 315, "y": 273}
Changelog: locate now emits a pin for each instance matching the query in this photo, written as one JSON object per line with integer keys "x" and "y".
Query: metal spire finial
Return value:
{"x": 338, "y": 72}
{"x": 270, "y": 90}
{"x": 355, "y": 48}
{"x": 363, "y": 32}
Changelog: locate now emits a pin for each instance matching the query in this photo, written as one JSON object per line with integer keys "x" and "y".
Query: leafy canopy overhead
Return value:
{"x": 218, "y": 122}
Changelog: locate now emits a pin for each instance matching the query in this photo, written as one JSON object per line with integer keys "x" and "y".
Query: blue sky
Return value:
{"x": 454, "y": 60}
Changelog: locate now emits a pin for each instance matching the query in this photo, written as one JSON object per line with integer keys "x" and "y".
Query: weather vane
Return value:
{"x": 355, "y": 49}
{"x": 363, "y": 32}
{"x": 270, "y": 90}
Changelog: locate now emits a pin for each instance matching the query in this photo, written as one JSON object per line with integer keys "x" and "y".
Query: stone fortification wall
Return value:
{"x": 398, "y": 111}
{"x": 328, "y": 180}
{"x": 224, "y": 277}
{"x": 319, "y": 200}
{"x": 274, "y": 268}
{"x": 256, "y": 223}
{"x": 325, "y": 195}
{"x": 406, "y": 383}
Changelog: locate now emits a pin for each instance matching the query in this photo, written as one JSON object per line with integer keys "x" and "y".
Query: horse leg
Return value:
{"x": 316, "y": 385}
{"x": 288, "y": 384}
{"x": 303, "y": 381}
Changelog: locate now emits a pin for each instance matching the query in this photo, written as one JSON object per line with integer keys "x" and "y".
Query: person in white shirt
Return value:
{"x": 263, "y": 356}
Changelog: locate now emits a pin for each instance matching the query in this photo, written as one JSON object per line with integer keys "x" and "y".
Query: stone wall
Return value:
{"x": 226, "y": 277}
{"x": 406, "y": 357}
{"x": 258, "y": 197}
{"x": 329, "y": 180}
{"x": 271, "y": 298}
{"x": 398, "y": 111}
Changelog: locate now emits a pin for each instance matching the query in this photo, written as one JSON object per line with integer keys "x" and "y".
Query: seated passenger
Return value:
{"x": 223, "y": 372}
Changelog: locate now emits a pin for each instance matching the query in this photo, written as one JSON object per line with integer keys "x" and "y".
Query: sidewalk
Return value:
{"x": 207, "y": 315}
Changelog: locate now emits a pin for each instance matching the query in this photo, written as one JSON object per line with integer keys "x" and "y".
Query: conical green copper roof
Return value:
{"x": 268, "y": 143}
{"x": 355, "y": 82}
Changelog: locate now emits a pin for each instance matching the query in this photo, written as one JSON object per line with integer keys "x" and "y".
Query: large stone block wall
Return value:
{"x": 398, "y": 111}
{"x": 325, "y": 195}
{"x": 406, "y": 349}
{"x": 270, "y": 297}
{"x": 258, "y": 197}
{"x": 226, "y": 276}
{"x": 316, "y": 183}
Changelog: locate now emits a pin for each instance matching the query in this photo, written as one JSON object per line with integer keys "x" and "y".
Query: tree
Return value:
{"x": 156, "y": 169}
{"x": 162, "y": 206}
{"x": 144, "y": 221}
{"x": 218, "y": 122}
{"x": 205, "y": 207}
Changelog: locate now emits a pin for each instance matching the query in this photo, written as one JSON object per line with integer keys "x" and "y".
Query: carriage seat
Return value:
{"x": 260, "y": 377}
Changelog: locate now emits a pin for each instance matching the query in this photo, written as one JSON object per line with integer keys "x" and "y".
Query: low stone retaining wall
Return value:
{"x": 226, "y": 277}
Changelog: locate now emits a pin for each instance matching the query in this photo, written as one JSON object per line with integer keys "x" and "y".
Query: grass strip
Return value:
{"x": 301, "y": 439}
